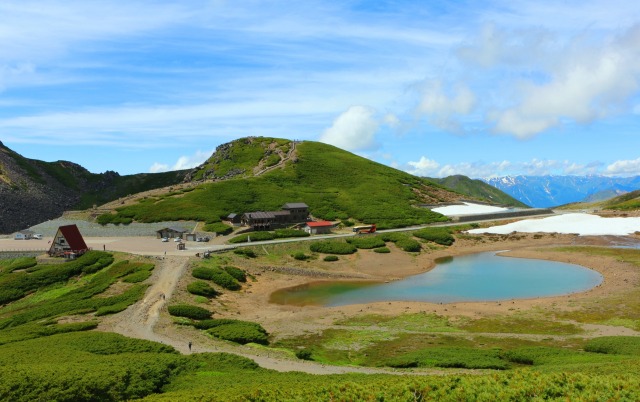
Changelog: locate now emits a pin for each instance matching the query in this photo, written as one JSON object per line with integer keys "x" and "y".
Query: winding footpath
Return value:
{"x": 140, "y": 321}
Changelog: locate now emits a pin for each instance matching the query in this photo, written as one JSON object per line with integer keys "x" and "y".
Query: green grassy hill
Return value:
{"x": 626, "y": 202}
{"x": 479, "y": 189}
{"x": 334, "y": 183}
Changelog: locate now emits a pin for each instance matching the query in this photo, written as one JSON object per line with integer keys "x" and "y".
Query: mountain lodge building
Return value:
{"x": 68, "y": 243}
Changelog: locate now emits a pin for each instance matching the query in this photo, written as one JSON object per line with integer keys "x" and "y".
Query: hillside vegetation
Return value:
{"x": 33, "y": 191}
{"x": 334, "y": 183}
{"x": 479, "y": 189}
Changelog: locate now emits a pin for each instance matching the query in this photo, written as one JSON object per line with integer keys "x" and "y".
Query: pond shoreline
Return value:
{"x": 284, "y": 321}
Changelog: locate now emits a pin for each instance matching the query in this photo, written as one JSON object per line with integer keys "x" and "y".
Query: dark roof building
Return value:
{"x": 68, "y": 242}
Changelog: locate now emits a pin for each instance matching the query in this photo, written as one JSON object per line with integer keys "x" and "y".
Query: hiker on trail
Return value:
{"x": 189, "y": 346}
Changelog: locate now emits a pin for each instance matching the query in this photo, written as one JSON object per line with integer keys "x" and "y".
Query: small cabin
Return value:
{"x": 68, "y": 243}
{"x": 320, "y": 227}
{"x": 234, "y": 219}
{"x": 171, "y": 232}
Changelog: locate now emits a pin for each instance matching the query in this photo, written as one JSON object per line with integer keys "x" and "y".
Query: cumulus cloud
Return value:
{"x": 423, "y": 167}
{"x": 183, "y": 162}
{"x": 353, "y": 130}
{"x": 585, "y": 82}
{"x": 624, "y": 168}
{"x": 442, "y": 107}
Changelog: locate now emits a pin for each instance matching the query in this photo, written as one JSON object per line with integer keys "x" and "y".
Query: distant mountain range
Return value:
{"x": 551, "y": 191}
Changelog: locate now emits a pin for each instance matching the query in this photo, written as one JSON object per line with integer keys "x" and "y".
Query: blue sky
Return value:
{"x": 434, "y": 88}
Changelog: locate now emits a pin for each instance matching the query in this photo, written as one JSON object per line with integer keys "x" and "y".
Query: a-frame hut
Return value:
{"x": 68, "y": 243}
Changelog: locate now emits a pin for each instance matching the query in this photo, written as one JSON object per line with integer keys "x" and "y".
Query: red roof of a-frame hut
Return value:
{"x": 73, "y": 241}
{"x": 73, "y": 236}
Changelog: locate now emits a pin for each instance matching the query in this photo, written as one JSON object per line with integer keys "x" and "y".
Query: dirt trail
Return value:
{"x": 141, "y": 321}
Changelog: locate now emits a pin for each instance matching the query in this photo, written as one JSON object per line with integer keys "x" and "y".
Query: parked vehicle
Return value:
{"x": 165, "y": 239}
{"x": 177, "y": 239}
{"x": 37, "y": 236}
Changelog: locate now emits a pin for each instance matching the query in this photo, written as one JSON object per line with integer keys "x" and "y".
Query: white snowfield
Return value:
{"x": 582, "y": 224}
{"x": 467, "y": 209}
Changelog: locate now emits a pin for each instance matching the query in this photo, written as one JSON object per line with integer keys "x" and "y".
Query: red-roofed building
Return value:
{"x": 319, "y": 227}
{"x": 68, "y": 242}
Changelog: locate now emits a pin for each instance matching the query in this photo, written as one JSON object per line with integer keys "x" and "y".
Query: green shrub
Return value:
{"x": 304, "y": 354}
{"x": 287, "y": 233}
{"x": 242, "y": 332}
{"x": 409, "y": 245}
{"x": 245, "y": 252}
{"x": 201, "y": 288}
{"x": 218, "y": 276}
{"x": 331, "y": 258}
{"x": 189, "y": 311}
{"x": 366, "y": 242}
{"x": 440, "y": 236}
{"x": 238, "y": 274}
{"x": 115, "y": 219}
{"x": 136, "y": 277}
{"x": 252, "y": 236}
{"x": 333, "y": 247}
{"x": 619, "y": 345}
{"x": 382, "y": 250}
{"x": 111, "y": 309}
{"x": 218, "y": 227}
{"x": 348, "y": 223}
{"x": 14, "y": 264}
{"x": 300, "y": 256}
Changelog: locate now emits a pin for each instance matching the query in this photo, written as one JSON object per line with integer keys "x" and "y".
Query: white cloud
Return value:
{"x": 624, "y": 168}
{"x": 353, "y": 130}
{"x": 534, "y": 167}
{"x": 442, "y": 108}
{"x": 423, "y": 167}
{"x": 159, "y": 167}
{"x": 579, "y": 81}
{"x": 183, "y": 162}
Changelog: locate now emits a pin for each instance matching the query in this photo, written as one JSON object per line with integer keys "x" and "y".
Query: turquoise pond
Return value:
{"x": 476, "y": 277}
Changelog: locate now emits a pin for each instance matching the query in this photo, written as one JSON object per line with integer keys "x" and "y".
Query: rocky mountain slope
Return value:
{"x": 33, "y": 191}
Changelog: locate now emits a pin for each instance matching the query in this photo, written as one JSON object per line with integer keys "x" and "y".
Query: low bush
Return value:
{"x": 115, "y": 219}
{"x": 245, "y": 252}
{"x": 252, "y": 236}
{"x": 382, "y": 250}
{"x": 331, "y": 258}
{"x": 300, "y": 256}
{"x": 333, "y": 247}
{"x": 409, "y": 245}
{"x": 218, "y": 228}
{"x": 218, "y": 276}
{"x": 238, "y": 274}
{"x": 242, "y": 332}
{"x": 304, "y": 354}
{"x": 201, "y": 288}
{"x": 440, "y": 236}
{"x": 619, "y": 345}
{"x": 8, "y": 266}
{"x": 136, "y": 277}
{"x": 287, "y": 233}
{"x": 112, "y": 309}
{"x": 366, "y": 242}
{"x": 189, "y": 311}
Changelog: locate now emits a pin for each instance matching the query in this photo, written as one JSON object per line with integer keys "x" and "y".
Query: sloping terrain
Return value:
{"x": 479, "y": 189}
{"x": 33, "y": 191}
{"x": 262, "y": 174}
